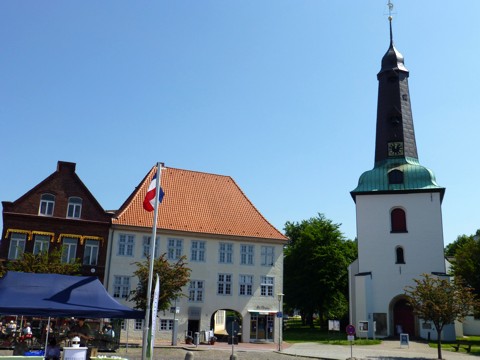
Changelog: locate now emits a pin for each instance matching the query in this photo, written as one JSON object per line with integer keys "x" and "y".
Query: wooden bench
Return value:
{"x": 467, "y": 345}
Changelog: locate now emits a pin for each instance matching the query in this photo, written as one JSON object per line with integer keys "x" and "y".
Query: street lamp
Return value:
{"x": 280, "y": 318}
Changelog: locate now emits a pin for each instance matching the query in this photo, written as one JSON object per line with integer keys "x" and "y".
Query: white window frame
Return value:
{"x": 146, "y": 241}
{"x": 196, "y": 291}
{"x": 41, "y": 244}
{"x": 245, "y": 285}
{"x": 247, "y": 254}
{"x": 225, "y": 253}
{"x": 17, "y": 245}
{"x": 121, "y": 286}
{"x": 165, "y": 325}
{"x": 47, "y": 205}
{"x": 74, "y": 208}
{"x": 197, "y": 251}
{"x": 138, "y": 324}
{"x": 268, "y": 255}
{"x": 266, "y": 286}
{"x": 174, "y": 248}
{"x": 69, "y": 250}
{"x": 224, "y": 284}
{"x": 90, "y": 252}
{"x": 126, "y": 245}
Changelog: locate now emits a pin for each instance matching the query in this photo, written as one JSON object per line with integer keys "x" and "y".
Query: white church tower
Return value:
{"x": 399, "y": 216}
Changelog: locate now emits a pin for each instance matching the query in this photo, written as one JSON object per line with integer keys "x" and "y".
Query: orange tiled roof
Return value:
{"x": 198, "y": 202}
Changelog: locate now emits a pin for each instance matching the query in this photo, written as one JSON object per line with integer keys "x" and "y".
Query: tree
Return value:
{"x": 451, "y": 249}
{"x": 173, "y": 276}
{"x": 315, "y": 268}
{"x": 45, "y": 262}
{"x": 467, "y": 262}
{"x": 441, "y": 301}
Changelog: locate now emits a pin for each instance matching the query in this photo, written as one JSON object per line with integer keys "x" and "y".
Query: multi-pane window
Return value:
{"x": 41, "y": 244}
{"x": 225, "y": 253}
{"x": 47, "y": 203}
{"x": 195, "y": 291}
{"x": 267, "y": 255}
{"x": 126, "y": 244}
{"x": 246, "y": 254}
{"x": 266, "y": 285}
{"x": 74, "y": 209}
{"x": 90, "y": 255}
{"x": 138, "y": 324}
{"x": 123, "y": 325}
{"x": 224, "y": 284}
{"x": 69, "y": 250}
{"x": 197, "y": 251}
{"x": 246, "y": 285}
{"x": 17, "y": 245}
{"x": 147, "y": 240}
{"x": 121, "y": 286}
{"x": 166, "y": 324}
{"x": 174, "y": 249}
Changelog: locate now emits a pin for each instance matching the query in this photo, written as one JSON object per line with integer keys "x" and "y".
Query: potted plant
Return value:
{"x": 212, "y": 340}
{"x": 188, "y": 339}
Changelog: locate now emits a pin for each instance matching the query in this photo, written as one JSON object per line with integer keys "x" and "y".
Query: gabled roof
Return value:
{"x": 197, "y": 202}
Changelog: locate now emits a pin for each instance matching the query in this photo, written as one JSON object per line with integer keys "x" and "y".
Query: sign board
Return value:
{"x": 334, "y": 325}
{"x": 350, "y": 330}
{"x": 279, "y": 314}
{"x": 74, "y": 353}
{"x": 404, "y": 340}
{"x": 363, "y": 326}
{"x": 351, "y": 337}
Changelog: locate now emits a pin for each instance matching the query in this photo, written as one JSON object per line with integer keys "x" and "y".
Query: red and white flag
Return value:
{"x": 149, "y": 201}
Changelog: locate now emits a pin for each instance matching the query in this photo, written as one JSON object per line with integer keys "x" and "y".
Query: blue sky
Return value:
{"x": 280, "y": 95}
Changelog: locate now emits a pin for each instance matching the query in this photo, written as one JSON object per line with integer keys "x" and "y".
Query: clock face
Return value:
{"x": 395, "y": 148}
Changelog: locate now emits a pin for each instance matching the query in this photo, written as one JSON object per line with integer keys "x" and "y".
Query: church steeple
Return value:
{"x": 395, "y": 135}
{"x": 396, "y": 160}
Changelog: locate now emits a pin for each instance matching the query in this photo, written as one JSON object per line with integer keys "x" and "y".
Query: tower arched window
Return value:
{"x": 398, "y": 220}
{"x": 399, "y": 255}
{"x": 395, "y": 177}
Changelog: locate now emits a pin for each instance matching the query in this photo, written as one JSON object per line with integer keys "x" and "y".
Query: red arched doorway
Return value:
{"x": 403, "y": 319}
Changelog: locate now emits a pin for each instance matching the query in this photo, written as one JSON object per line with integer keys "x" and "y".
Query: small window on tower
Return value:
{"x": 398, "y": 221}
{"x": 395, "y": 177}
{"x": 399, "y": 256}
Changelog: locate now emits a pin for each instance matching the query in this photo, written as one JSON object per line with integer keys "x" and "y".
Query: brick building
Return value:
{"x": 59, "y": 211}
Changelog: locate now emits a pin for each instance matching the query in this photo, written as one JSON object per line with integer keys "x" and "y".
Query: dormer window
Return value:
{"x": 74, "y": 207}
{"x": 47, "y": 203}
{"x": 395, "y": 177}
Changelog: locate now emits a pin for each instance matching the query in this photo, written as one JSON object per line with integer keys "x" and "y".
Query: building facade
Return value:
{"x": 59, "y": 212}
{"x": 234, "y": 253}
{"x": 399, "y": 217}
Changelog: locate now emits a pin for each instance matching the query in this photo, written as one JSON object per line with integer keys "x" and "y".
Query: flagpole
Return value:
{"x": 150, "y": 272}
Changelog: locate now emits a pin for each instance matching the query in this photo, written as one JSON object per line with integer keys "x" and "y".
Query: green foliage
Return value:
{"x": 467, "y": 263}
{"x": 45, "y": 262}
{"x": 451, "y": 249}
{"x": 173, "y": 276}
{"x": 440, "y": 301}
{"x": 315, "y": 268}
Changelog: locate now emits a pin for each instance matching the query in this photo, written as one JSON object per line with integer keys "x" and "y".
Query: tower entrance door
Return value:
{"x": 403, "y": 318}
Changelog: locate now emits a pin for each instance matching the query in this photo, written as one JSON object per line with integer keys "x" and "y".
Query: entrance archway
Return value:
{"x": 224, "y": 322}
{"x": 403, "y": 318}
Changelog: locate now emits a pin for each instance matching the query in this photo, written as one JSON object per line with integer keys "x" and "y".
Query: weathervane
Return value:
{"x": 390, "y": 10}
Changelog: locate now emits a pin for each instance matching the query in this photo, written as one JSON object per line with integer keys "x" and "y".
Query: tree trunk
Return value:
{"x": 439, "y": 343}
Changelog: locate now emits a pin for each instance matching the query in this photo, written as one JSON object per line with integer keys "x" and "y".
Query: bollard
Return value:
{"x": 189, "y": 355}
{"x": 233, "y": 357}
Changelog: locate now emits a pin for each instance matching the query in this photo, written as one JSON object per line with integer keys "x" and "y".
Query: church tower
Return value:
{"x": 398, "y": 213}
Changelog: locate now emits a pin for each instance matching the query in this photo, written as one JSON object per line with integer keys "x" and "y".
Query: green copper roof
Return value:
{"x": 415, "y": 177}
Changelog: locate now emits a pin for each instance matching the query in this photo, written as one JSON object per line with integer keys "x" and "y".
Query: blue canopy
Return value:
{"x": 32, "y": 294}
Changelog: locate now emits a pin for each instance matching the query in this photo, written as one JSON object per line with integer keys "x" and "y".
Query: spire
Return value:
{"x": 396, "y": 161}
{"x": 395, "y": 136}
